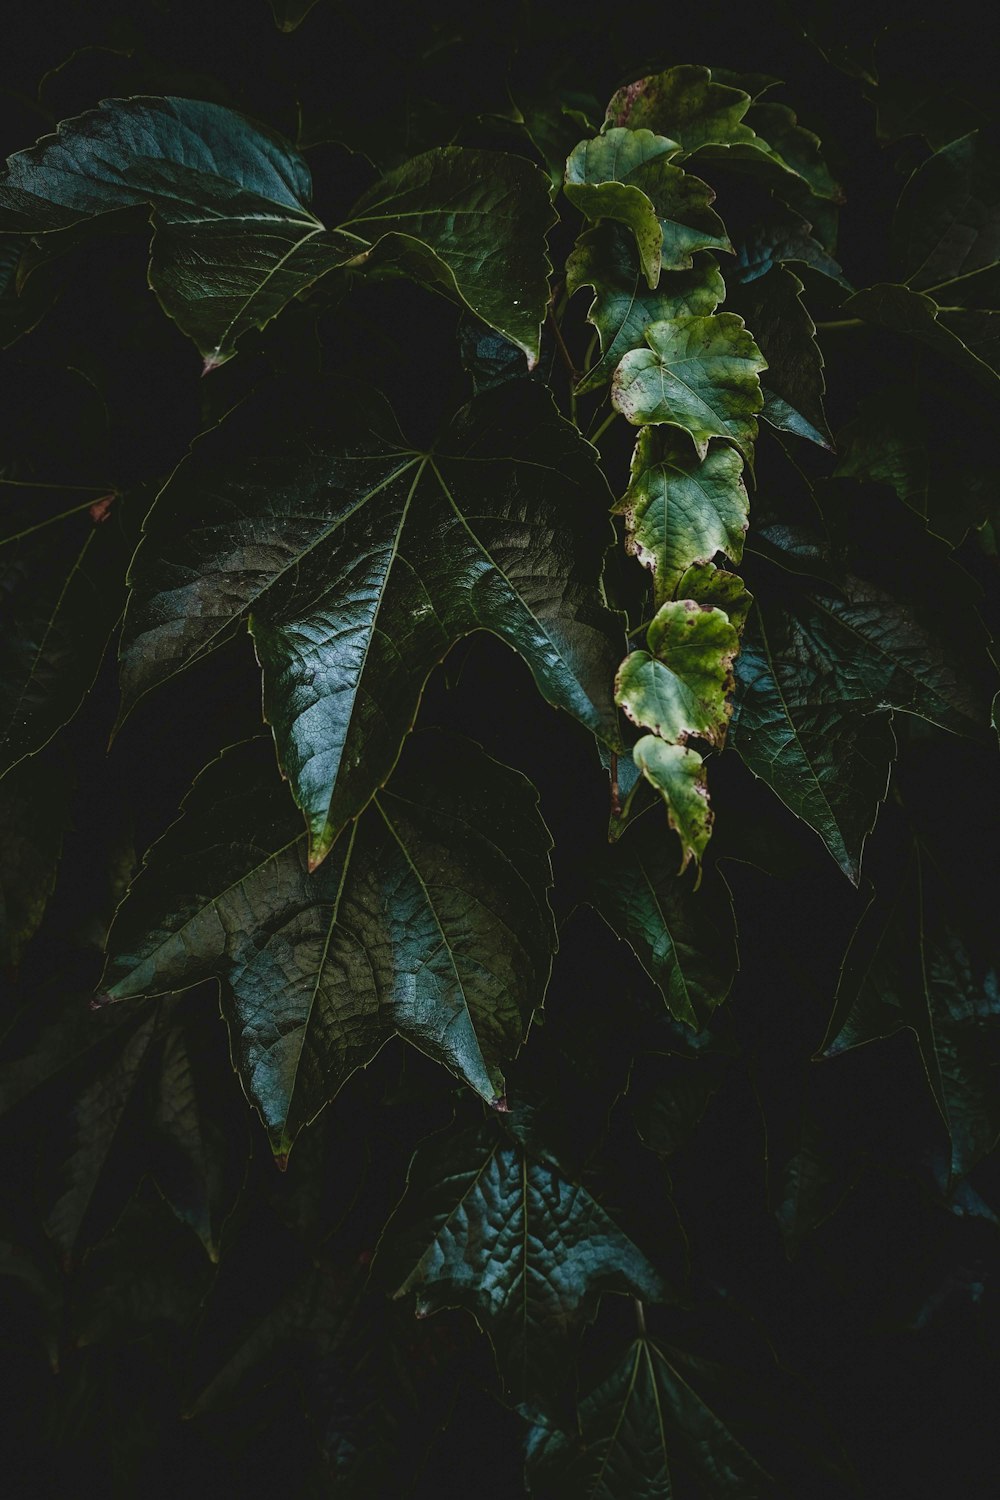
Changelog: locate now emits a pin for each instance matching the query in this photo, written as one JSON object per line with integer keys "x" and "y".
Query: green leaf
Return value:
{"x": 965, "y": 336}
{"x": 62, "y": 564}
{"x": 685, "y": 940}
{"x": 680, "y": 509}
{"x": 778, "y": 235}
{"x": 919, "y": 960}
{"x": 361, "y": 561}
{"x": 624, "y": 306}
{"x": 642, "y": 1421}
{"x": 20, "y": 308}
{"x": 686, "y": 104}
{"x": 793, "y": 391}
{"x": 527, "y": 1252}
{"x": 678, "y": 688}
{"x": 947, "y": 223}
{"x": 471, "y": 223}
{"x": 34, "y": 812}
{"x": 701, "y": 374}
{"x": 919, "y": 442}
{"x": 798, "y": 148}
{"x": 625, "y": 175}
{"x": 715, "y": 587}
{"x": 429, "y": 921}
{"x": 679, "y": 777}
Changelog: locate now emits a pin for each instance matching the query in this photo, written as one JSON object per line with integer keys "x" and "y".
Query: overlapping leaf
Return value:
{"x": 429, "y": 920}
{"x": 794, "y": 386}
{"x": 236, "y": 240}
{"x": 482, "y": 1226}
{"x": 967, "y": 337}
{"x": 678, "y": 687}
{"x": 361, "y": 561}
{"x": 700, "y": 374}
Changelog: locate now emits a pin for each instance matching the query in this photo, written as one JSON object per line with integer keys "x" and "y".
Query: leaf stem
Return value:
{"x": 841, "y": 323}
{"x": 640, "y": 1316}
{"x": 593, "y": 437}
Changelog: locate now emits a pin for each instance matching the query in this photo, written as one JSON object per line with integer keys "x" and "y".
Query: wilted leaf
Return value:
{"x": 430, "y": 920}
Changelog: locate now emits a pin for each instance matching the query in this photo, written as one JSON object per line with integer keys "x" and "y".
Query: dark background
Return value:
{"x": 887, "y": 1312}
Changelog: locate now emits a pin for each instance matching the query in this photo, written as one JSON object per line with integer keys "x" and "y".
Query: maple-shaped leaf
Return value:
{"x": 699, "y": 374}
{"x": 678, "y": 775}
{"x": 236, "y": 239}
{"x": 642, "y": 1425}
{"x": 626, "y": 175}
{"x": 680, "y": 509}
{"x": 430, "y": 920}
{"x": 684, "y": 939}
{"x": 921, "y": 960}
{"x": 361, "y": 560}
{"x": 624, "y": 306}
{"x": 529, "y": 1253}
{"x": 678, "y": 687}
{"x": 700, "y": 110}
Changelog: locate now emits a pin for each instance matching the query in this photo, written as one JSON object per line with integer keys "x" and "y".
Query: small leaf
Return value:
{"x": 625, "y": 175}
{"x": 680, "y": 509}
{"x": 623, "y": 306}
{"x": 678, "y": 687}
{"x": 679, "y": 777}
{"x": 701, "y": 374}
{"x": 685, "y": 941}
{"x": 794, "y": 387}
{"x": 919, "y": 960}
{"x": 430, "y": 921}
{"x": 483, "y": 1227}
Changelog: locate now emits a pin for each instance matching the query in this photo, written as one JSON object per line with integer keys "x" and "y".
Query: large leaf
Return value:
{"x": 793, "y": 389}
{"x": 626, "y": 175}
{"x": 701, "y": 374}
{"x": 62, "y": 562}
{"x": 235, "y": 238}
{"x": 429, "y": 921}
{"x": 624, "y": 306}
{"x": 482, "y": 1226}
{"x": 920, "y": 960}
{"x": 680, "y": 509}
{"x": 678, "y": 687}
{"x": 643, "y": 1420}
{"x": 967, "y": 337}
{"x": 685, "y": 940}
{"x": 799, "y": 148}
{"x": 948, "y": 219}
{"x": 361, "y": 561}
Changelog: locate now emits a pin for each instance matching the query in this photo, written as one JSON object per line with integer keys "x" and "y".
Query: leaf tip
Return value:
{"x": 500, "y": 1104}
{"x": 101, "y": 999}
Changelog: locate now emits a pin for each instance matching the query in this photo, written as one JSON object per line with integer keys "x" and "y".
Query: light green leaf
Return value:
{"x": 679, "y": 777}
{"x": 680, "y": 509}
{"x": 919, "y": 961}
{"x": 430, "y": 921}
{"x": 701, "y": 374}
{"x": 527, "y": 1252}
{"x": 678, "y": 687}
{"x": 707, "y": 584}
{"x": 685, "y": 940}
{"x": 794, "y": 387}
{"x": 361, "y": 560}
{"x": 624, "y": 306}
{"x": 947, "y": 224}
{"x": 625, "y": 175}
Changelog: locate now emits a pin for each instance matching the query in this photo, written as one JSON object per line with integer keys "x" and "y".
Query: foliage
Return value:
{"x": 553, "y": 373}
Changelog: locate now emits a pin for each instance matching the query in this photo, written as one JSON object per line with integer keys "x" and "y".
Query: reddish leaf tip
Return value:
{"x": 500, "y": 1105}
{"x": 101, "y": 509}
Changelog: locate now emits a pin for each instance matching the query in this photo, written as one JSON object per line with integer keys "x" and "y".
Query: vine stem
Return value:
{"x": 593, "y": 437}
{"x": 640, "y": 1316}
{"x": 841, "y": 323}
{"x": 616, "y": 801}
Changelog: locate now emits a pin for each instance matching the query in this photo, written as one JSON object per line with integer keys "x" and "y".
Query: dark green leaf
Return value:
{"x": 964, "y": 336}
{"x": 948, "y": 220}
{"x": 794, "y": 386}
{"x": 34, "y": 811}
{"x": 362, "y": 561}
{"x": 429, "y": 920}
{"x": 527, "y": 1252}
{"x": 799, "y": 148}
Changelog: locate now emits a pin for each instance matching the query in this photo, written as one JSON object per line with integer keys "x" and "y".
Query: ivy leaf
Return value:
{"x": 966, "y": 336}
{"x": 235, "y": 239}
{"x": 62, "y": 561}
{"x": 680, "y": 509}
{"x": 640, "y": 1423}
{"x": 777, "y": 235}
{"x": 361, "y": 561}
{"x": 528, "y": 1253}
{"x": 679, "y": 777}
{"x": 678, "y": 687}
{"x": 686, "y": 104}
{"x": 799, "y": 148}
{"x": 947, "y": 224}
{"x": 718, "y": 589}
{"x": 793, "y": 392}
{"x": 624, "y": 306}
{"x": 430, "y": 921}
{"x": 919, "y": 961}
{"x": 685, "y": 941}
{"x": 625, "y": 175}
{"x": 701, "y": 374}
